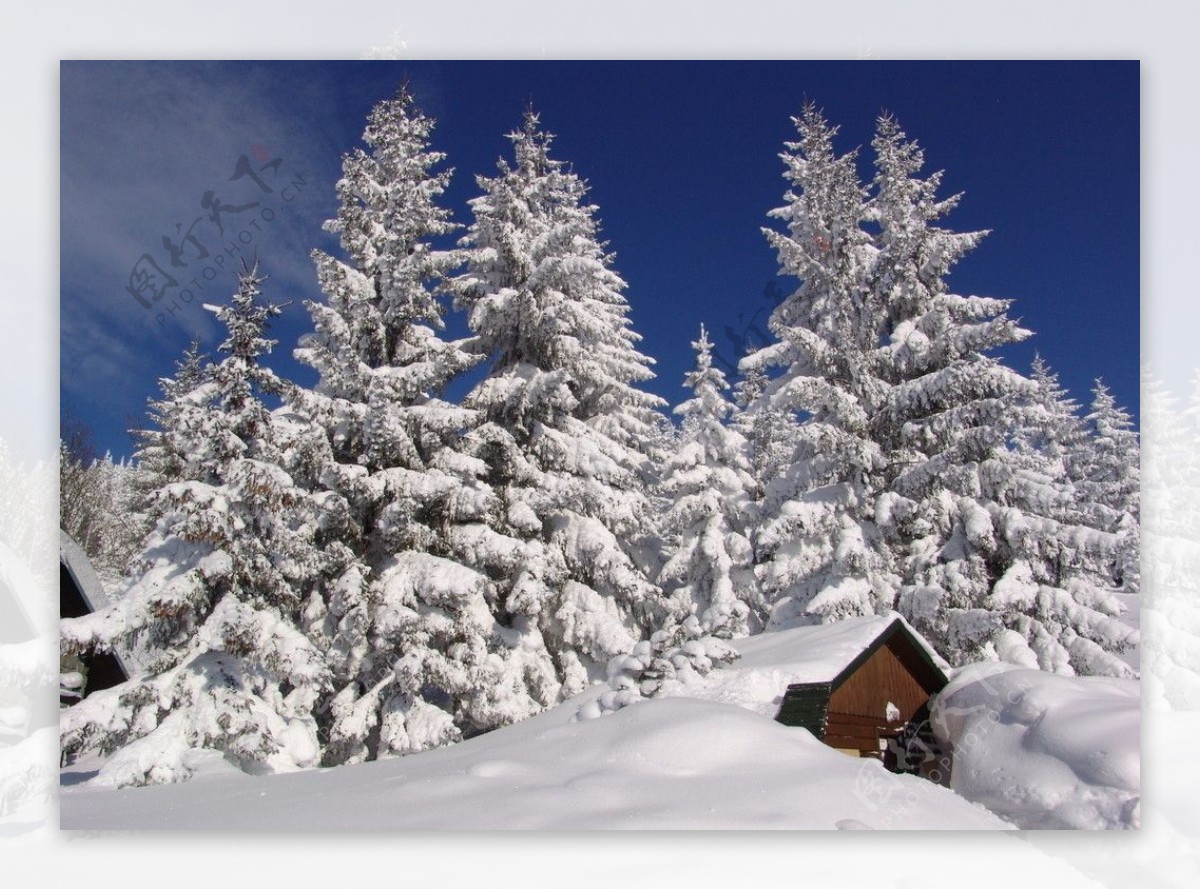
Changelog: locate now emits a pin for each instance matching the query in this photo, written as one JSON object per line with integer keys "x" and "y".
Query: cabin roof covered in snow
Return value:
{"x": 823, "y": 653}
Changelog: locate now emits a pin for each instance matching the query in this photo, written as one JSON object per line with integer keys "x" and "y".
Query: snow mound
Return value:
{"x": 1044, "y": 750}
{"x": 669, "y": 763}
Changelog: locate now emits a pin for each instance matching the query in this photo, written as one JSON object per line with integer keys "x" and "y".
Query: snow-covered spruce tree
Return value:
{"x": 1054, "y": 443}
{"x": 1105, "y": 467}
{"x": 709, "y": 570}
{"x": 708, "y": 576}
{"x": 972, "y": 521}
{"x": 1051, "y": 425}
{"x": 770, "y": 432}
{"x": 159, "y": 460}
{"x": 1047, "y": 432}
{"x": 818, "y": 550}
{"x": 1079, "y": 549}
{"x": 418, "y": 659}
{"x": 213, "y": 620}
{"x": 564, "y": 425}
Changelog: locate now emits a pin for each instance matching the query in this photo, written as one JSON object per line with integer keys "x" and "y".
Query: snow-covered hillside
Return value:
{"x": 1039, "y": 749}
{"x": 709, "y": 756}
{"x": 664, "y": 764}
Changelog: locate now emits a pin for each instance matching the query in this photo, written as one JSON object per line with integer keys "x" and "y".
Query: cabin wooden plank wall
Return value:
{"x": 857, "y": 716}
{"x": 849, "y": 711}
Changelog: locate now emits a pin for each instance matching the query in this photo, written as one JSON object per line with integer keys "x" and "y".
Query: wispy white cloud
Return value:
{"x": 141, "y": 145}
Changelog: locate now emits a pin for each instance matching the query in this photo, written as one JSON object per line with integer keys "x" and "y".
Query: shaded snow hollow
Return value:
{"x": 710, "y": 756}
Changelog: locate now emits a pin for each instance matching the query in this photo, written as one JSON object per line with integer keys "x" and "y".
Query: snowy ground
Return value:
{"x": 1048, "y": 751}
{"x": 711, "y": 757}
{"x": 1042, "y": 750}
{"x": 670, "y": 763}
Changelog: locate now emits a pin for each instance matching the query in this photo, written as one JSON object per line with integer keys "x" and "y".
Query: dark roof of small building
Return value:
{"x": 75, "y": 561}
{"x": 76, "y": 568}
{"x": 927, "y": 660}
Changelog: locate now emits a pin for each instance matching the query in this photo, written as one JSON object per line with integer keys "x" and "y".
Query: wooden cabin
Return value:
{"x": 872, "y": 699}
{"x": 81, "y": 592}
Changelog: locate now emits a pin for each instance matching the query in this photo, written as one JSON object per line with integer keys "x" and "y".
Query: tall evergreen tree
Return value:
{"x": 157, "y": 455}
{"x": 213, "y": 619}
{"x": 563, "y": 423}
{"x": 817, "y": 543}
{"x": 972, "y": 520}
{"x": 377, "y": 346}
{"x": 708, "y": 480}
{"x": 1105, "y": 468}
{"x": 408, "y": 624}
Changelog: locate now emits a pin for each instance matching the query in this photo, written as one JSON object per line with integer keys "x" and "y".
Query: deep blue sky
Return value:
{"x": 682, "y": 158}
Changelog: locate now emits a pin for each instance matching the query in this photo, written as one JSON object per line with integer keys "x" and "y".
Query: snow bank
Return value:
{"x": 1036, "y": 749}
{"x": 1044, "y": 750}
{"x": 661, "y": 764}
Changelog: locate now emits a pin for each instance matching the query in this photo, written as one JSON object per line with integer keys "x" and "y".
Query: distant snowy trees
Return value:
{"x": 100, "y": 506}
{"x": 369, "y": 568}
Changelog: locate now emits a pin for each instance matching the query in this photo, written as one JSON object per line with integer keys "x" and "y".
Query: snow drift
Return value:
{"x": 661, "y": 764}
{"x": 1044, "y": 750}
